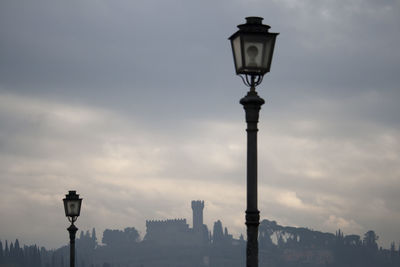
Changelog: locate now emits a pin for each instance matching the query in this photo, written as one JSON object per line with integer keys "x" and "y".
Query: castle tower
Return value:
{"x": 197, "y": 207}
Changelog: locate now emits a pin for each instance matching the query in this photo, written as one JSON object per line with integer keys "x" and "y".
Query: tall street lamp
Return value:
{"x": 72, "y": 207}
{"x": 252, "y": 47}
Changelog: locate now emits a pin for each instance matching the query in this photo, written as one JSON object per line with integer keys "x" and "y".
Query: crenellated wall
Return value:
{"x": 156, "y": 223}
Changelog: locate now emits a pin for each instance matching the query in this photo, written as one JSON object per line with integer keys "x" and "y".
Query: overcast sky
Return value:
{"x": 135, "y": 105}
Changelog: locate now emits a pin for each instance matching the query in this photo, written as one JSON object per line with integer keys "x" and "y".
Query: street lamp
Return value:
{"x": 252, "y": 47}
{"x": 72, "y": 207}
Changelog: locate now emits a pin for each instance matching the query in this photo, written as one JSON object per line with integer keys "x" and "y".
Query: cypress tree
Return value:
{"x": 392, "y": 251}
{"x": 39, "y": 260}
{"x": 53, "y": 259}
{"x": 16, "y": 246}
{"x": 94, "y": 239}
{"x": 1, "y": 252}
{"x": 25, "y": 256}
{"x": 399, "y": 249}
{"x": 94, "y": 235}
{"x": 6, "y": 254}
{"x": 18, "y": 253}
{"x": 11, "y": 253}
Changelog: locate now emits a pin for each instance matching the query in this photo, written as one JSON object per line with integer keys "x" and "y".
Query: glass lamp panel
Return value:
{"x": 253, "y": 52}
{"x": 237, "y": 52}
{"x": 268, "y": 46}
{"x": 73, "y": 207}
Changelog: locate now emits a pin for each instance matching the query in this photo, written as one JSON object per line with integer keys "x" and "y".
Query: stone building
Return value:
{"x": 177, "y": 232}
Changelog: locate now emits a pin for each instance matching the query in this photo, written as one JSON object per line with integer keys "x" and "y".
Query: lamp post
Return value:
{"x": 252, "y": 47}
{"x": 72, "y": 207}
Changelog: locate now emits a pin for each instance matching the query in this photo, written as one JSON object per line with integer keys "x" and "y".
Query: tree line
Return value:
{"x": 14, "y": 255}
{"x": 280, "y": 246}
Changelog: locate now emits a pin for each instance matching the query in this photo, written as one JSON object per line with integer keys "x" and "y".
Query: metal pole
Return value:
{"x": 72, "y": 231}
{"x": 252, "y": 104}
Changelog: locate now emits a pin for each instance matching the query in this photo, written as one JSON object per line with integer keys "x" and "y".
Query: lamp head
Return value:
{"x": 72, "y": 206}
{"x": 252, "y": 48}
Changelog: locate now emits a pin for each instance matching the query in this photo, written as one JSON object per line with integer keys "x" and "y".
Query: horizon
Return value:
{"x": 99, "y": 234}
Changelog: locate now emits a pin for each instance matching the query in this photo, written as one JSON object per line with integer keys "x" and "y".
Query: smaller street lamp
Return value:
{"x": 72, "y": 207}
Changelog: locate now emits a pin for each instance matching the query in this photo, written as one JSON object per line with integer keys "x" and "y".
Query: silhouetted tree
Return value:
{"x": 297, "y": 247}
{"x": 218, "y": 234}
{"x": 6, "y": 251}
{"x": 11, "y": 256}
{"x": 370, "y": 239}
{"x": 128, "y": 237}
{"x": 265, "y": 233}
{"x": 1, "y": 252}
{"x": 399, "y": 250}
{"x": 94, "y": 238}
{"x": 53, "y": 259}
{"x": 393, "y": 255}
{"x": 131, "y": 235}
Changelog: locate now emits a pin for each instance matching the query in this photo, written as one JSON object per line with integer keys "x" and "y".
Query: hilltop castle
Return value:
{"x": 177, "y": 231}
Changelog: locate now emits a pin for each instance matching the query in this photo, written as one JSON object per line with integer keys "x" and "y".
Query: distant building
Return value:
{"x": 177, "y": 231}
{"x": 197, "y": 208}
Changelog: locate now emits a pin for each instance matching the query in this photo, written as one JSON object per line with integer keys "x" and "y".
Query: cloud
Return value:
{"x": 348, "y": 226}
{"x": 123, "y": 171}
{"x": 128, "y": 173}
